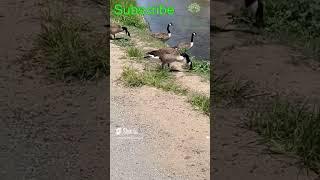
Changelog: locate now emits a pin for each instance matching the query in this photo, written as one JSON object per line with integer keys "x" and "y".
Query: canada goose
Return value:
{"x": 115, "y": 28}
{"x": 186, "y": 45}
{"x": 161, "y": 35}
{"x": 169, "y": 55}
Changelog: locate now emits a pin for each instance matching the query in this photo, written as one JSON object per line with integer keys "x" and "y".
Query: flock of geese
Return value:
{"x": 166, "y": 55}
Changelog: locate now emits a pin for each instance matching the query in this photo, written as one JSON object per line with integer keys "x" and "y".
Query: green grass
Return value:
{"x": 297, "y": 21}
{"x": 134, "y": 52}
{"x": 134, "y": 20}
{"x": 290, "y": 128}
{"x": 69, "y": 48}
{"x": 132, "y": 77}
{"x": 293, "y": 22}
{"x": 230, "y": 91}
{"x": 161, "y": 79}
{"x": 201, "y": 67}
{"x": 124, "y": 42}
{"x": 200, "y": 102}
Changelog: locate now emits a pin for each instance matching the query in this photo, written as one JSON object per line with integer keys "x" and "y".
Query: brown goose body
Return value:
{"x": 186, "y": 45}
{"x": 162, "y": 35}
{"x": 115, "y": 28}
{"x": 169, "y": 55}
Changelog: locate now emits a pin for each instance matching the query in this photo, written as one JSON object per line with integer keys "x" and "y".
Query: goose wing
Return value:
{"x": 169, "y": 50}
{"x": 163, "y": 51}
{"x": 183, "y": 45}
{"x": 155, "y": 53}
{"x": 115, "y": 28}
{"x": 113, "y": 25}
{"x": 160, "y": 35}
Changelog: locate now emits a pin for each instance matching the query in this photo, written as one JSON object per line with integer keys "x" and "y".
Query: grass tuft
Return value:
{"x": 201, "y": 67}
{"x": 230, "y": 91}
{"x": 200, "y": 102}
{"x": 163, "y": 80}
{"x": 156, "y": 78}
{"x": 132, "y": 20}
{"x": 291, "y": 129}
{"x": 131, "y": 77}
{"x": 134, "y": 52}
{"x": 294, "y": 22}
{"x": 68, "y": 51}
{"x": 124, "y": 42}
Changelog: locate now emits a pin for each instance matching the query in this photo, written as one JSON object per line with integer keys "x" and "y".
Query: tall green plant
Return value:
{"x": 132, "y": 20}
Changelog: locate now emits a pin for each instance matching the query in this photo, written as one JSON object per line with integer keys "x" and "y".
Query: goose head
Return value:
{"x": 126, "y": 30}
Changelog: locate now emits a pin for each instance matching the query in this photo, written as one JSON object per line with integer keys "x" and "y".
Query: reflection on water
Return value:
{"x": 184, "y": 24}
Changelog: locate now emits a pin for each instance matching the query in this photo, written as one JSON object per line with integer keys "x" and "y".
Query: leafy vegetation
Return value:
{"x": 200, "y": 102}
{"x": 135, "y": 52}
{"x": 298, "y": 21}
{"x": 124, "y": 42}
{"x": 290, "y": 128}
{"x": 132, "y": 20}
{"x": 69, "y": 50}
{"x": 230, "y": 91}
{"x": 201, "y": 67}
{"x": 162, "y": 79}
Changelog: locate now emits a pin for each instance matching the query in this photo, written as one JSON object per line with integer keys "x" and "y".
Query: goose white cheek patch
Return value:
{"x": 169, "y": 34}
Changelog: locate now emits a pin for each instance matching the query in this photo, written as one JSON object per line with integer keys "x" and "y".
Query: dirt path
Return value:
{"x": 272, "y": 68}
{"x": 48, "y": 129}
{"x": 174, "y": 140}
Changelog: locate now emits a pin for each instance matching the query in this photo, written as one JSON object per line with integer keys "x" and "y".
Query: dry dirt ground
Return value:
{"x": 272, "y": 68}
{"x": 175, "y": 141}
{"x": 48, "y": 129}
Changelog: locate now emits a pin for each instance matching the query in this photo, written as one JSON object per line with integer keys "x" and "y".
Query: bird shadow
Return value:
{"x": 119, "y": 38}
{"x": 174, "y": 70}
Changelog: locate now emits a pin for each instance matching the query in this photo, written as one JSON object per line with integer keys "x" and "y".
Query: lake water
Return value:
{"x": 184, "y": 23}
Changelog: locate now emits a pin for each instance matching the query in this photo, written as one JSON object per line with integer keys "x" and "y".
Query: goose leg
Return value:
{"x": 162, "y": 65}
{"x": 168, "y": 65}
